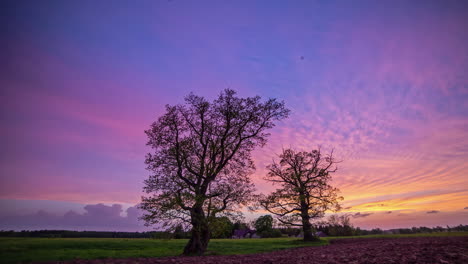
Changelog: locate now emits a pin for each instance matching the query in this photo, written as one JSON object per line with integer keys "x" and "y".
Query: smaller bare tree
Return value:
{"x": 305, "y": 193}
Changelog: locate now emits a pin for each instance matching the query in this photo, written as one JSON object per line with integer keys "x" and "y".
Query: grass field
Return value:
{"x": 15, "y": 250}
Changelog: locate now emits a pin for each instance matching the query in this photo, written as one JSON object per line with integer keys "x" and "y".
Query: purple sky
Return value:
{"x": 383, "y": 82}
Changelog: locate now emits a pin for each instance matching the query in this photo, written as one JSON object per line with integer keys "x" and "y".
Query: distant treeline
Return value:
{"x": 329, "y": 230}
{"x": 415, "y": 230}
{"x": 89, "y": 234}
{"x": 337, "y": 225}
{"x": 348, "y": 230}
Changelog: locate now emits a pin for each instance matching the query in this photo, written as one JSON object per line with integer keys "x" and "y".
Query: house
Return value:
{"x": 244, "y": 233}
{"x": 321, "y": 234}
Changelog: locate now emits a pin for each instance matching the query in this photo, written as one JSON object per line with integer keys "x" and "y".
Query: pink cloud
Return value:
{"x": 97, "y": 217}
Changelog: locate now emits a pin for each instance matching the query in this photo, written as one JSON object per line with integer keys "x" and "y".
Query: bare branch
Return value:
{"x": 306, "y": 193}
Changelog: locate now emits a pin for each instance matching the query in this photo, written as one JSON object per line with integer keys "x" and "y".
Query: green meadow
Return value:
{"x": 24, "y": 250}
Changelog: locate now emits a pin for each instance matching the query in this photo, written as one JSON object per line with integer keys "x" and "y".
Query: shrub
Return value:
{"x": 270, "y": 233}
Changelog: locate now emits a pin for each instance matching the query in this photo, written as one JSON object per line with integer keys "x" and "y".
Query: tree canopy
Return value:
{"x": 201, "y": 160}
{"x": 264, "y": 223}
{"x": 305, "y": 192}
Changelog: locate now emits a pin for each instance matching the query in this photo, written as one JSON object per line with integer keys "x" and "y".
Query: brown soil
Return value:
{"x": 367, "y": 250}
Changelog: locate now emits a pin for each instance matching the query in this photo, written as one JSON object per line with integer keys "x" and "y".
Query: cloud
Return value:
{"x": 389, "y": 212}
{"x": 101, "y": 210}
{"x": 432, "y": 212}
{"x": 374, "y": 205}
{"x": 98, "y": 217}
{"x": 407, "y": 219}
{"x": 466, "y": 208}
{"x": 359, "y": 215}
{"x": 407, "y": 146}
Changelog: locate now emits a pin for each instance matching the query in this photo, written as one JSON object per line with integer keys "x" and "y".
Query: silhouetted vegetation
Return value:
{"x": 340, "y": 228}
{"x": 238, "y": 225}
{"x": 180, "y": 233}
{"x": 337, "y": 226}
{"x": 330, "y": 230}
{"x": 201, "y": 161}
{"x": 89, "y": 234}
{"x": 221, "y": 227}
{"x": 305, "y": 192}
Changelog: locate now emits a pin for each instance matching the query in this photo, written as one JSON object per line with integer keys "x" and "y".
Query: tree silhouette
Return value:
{"x": 305, "y": 192}
{"x": 221, "y": 227}
{"x": 201, "y": 160}
{"x": 264, "y": 223}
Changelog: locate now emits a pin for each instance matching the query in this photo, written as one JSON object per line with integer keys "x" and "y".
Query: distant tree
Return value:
{"x": 201, "y": 160}
{"x": 337, "y": 225}
{"x": 289, "y": 231}
{"x": 460, "y": 227}
{"x": 274, "y": 232}
{"x": 305, "y": 192}
{"x": 238, "y": 225}
{"x": 179, "y": 232}
{"x": 358, "y": 231}
{"x": 264, "y": 223}
{"x": 221, "y": 227}
{"x": 376, "y": 231}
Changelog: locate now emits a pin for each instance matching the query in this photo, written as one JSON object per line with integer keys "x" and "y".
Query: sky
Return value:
{"x": 383, "y": 83}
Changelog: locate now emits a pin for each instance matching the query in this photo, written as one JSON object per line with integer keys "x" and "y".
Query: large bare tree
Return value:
{"x": 201, "y": 160}
{"x": 305, "y": 192}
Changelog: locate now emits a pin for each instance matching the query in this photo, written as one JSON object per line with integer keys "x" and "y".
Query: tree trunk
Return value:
{"x": 307, "y": 229}
{"x": 200, "y": 234}
{"x": 306, "y": 225}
